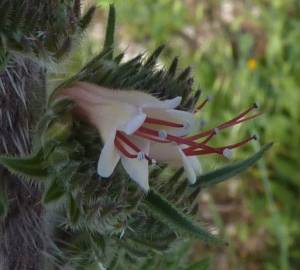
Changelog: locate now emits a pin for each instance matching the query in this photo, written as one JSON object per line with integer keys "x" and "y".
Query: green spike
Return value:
{"x": 229, "y": 171}
{"x": 184, "y": 74}
{"x": 86, "y": 19}
{"x": 173, "y": 67}
{"x": 176, "y": 220}
{"x": 110, "y": 31}
{"x": 153, "y": 57}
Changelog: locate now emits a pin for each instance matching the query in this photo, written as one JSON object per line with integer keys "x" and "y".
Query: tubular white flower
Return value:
{"x": 139, "y": 129}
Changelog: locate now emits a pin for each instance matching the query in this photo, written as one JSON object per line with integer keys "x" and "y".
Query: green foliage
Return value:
{"x": 25, "y": 30}
{"x": 111, "y": 220}
{"x": 169, "y": 215}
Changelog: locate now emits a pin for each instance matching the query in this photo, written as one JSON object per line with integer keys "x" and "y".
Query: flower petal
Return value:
{"x": 133, "y": 124}
{"x": 138, "y": 169}
{"x": 180, "y": 117}
{"x": 188, "y": 168}
{"x": 109, "y": 158}
{"x": 164, "y": 104}
{"x": 195, "y": 163}
{"x": 166, "y": 152}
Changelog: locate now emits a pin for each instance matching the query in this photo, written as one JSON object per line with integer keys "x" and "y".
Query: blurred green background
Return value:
{"x": 240, "y": 52}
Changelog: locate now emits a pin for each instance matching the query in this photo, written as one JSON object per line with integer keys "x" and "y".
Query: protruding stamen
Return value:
{"x": 227, "y": 153}
{"x": 178, "y": 140}
{"x": 160, "y": 122}
{"x": 194, "y": 151}
{"x": 234, "y": 121}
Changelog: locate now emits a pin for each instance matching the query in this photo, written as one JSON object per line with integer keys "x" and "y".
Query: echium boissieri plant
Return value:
{"x": 117, "y": 157}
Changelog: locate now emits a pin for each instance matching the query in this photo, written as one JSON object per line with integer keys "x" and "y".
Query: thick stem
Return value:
{"x": 22, "y": 234}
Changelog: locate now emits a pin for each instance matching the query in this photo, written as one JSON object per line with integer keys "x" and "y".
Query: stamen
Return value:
{"x": 193, "y": 151}
{"x": 149, "y": 137}
{"x": 140, "y": 155}
{"x": 179, "y": 140}
{"x": 122, "y": 149}
{"x": 155, "y": 121}
{"x": 234, "y": 121}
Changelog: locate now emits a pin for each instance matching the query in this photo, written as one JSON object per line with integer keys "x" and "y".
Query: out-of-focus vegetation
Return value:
{"x": 240, "y": 52}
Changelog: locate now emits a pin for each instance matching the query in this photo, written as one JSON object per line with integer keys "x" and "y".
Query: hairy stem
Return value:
{"x": 22, "y": 97}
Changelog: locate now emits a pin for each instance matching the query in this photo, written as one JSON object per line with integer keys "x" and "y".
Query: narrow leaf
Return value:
{"x": 153, "y": 57}
{"x": 177, "y": 221}
{"x": 110, "y": 31}
{"x": 229, "y": 171}
{"x": 33, "y": 166}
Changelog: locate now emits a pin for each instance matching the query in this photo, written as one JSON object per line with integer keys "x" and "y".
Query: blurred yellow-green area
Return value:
{"x": 241, "y": 52}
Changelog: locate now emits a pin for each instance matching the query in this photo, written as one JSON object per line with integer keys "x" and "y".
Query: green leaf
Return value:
{"x": 55, "y": 191}
{"x": 177, "y": 221}
{"x": 33, "y": 166}
{"x": 110, "y": 31}
{"x": 86, "y": 19}
{"x": 229, "y": 171}
{"x": 203, "y": 264}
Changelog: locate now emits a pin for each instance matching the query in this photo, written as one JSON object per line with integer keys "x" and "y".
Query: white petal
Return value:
{"x": 138, "y": 171}
{"x": 188, "y": 119}
{"x": 164, "y": 104}
{"x": 188, "y": 168}
{"x": 172, "y": 103}
{"x": 109, "y": 158}
{"x": 134, "y": 123}
{"x": 195, "y": 163}
{"x": 166, "y": 152}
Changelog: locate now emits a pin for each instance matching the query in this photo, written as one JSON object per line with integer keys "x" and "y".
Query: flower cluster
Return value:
{"x": 139, "y": 129}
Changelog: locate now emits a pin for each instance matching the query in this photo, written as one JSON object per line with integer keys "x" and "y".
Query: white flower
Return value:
{"x": 139, "y": 129}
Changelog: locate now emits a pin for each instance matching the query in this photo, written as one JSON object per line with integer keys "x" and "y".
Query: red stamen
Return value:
{"x": 178, "y": 140}
{"x": 194, "y": 152}
{"x": 155, "y": 121}
{"x": 122, "y": 149}
{"x": 149, "y": 137}
{"x": 234, "y": 121}
{"x": 123, "y": 138}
